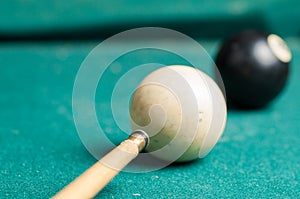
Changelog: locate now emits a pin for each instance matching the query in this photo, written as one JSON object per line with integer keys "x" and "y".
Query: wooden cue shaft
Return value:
{"x": 88, "y": 184}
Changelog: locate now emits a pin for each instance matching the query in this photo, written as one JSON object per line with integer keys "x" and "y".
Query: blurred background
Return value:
{"x": 87, "y": 19}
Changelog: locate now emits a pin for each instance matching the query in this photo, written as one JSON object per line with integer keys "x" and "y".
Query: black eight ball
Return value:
{"x": 254, "y": 67}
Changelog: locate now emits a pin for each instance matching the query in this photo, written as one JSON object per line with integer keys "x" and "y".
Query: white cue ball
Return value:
{"x": 182, "y": 110}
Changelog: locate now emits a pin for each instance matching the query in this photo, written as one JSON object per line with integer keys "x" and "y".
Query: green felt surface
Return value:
{"x": 258, "y": 155}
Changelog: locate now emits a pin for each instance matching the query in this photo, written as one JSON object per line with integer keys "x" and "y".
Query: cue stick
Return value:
{"x": 88, "y": 184}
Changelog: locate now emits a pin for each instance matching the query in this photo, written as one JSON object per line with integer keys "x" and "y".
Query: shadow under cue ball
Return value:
{"x": 182, "y": 110}
{"x": 254, "y": 67}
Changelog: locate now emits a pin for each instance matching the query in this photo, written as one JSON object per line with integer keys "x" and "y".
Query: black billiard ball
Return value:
{"x": 254, "y": 67}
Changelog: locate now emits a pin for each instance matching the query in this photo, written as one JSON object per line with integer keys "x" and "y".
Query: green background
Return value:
{"x": 43, "y": 44}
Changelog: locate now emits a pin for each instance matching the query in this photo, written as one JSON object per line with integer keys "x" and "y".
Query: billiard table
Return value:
{"x": 42, "y": 47}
